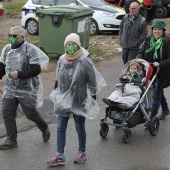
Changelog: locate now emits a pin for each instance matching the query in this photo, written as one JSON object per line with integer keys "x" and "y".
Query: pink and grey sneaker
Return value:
{"x": 57, "y": 161}
{"x": 81, "y": 157}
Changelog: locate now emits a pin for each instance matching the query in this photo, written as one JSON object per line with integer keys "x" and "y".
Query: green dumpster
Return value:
{"x": 56, "y": 22}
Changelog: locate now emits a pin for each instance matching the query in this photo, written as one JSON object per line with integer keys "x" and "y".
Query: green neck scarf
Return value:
{"x": 155, "y": 45}
{"x": 132, "y": 75}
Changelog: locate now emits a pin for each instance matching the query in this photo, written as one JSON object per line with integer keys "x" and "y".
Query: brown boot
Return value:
{"x": 108, "y": 102}
{"x": 122, "y": 106}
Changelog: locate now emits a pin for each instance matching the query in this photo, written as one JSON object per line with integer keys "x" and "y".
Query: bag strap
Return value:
{"x": 141, "y": 23}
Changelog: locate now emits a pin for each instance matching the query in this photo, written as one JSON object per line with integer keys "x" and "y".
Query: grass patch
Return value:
{"x": 2, "y": 44}
{"x": 34, "y": 39}
{"x": 96, "y": 54}
{"x": 12, "y": 8}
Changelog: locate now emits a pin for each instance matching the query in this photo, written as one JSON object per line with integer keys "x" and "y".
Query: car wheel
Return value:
{"x": 32, "y": 27}
{"x": 94, "y": 28}
{"x": 161, "y": 12}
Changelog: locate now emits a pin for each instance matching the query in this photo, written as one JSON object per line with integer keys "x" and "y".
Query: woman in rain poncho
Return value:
{"x": 77, "y": 83}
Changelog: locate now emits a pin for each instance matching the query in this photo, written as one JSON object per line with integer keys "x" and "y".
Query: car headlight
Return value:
{"x": 104, "y": 13}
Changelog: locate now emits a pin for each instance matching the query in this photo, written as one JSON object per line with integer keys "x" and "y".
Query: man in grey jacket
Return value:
{"x": 133, "y": 31}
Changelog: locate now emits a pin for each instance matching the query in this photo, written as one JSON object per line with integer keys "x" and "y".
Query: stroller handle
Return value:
{"x": 158, "y": 68}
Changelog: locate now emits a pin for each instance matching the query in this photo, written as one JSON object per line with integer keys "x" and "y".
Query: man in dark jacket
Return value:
{"x": 133, "y": 31}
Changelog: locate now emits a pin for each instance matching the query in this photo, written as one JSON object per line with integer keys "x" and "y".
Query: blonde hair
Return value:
{"x": 134, "y": 63}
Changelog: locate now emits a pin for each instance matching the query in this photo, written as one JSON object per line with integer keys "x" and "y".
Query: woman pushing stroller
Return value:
{"x": 156, "y": 50}
{"x": 128, "y": 91}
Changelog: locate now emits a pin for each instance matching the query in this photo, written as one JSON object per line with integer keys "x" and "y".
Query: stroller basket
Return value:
{"x": 121, "y": 117}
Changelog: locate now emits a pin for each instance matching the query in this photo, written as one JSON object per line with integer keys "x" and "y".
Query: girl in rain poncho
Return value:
{"x": 77, "y": 83}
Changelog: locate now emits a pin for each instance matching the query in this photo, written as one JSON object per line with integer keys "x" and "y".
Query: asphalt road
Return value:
{"x": 143, "y": 152}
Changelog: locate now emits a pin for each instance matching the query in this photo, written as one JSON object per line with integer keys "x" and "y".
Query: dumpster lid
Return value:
{"x": 73, "y": 11}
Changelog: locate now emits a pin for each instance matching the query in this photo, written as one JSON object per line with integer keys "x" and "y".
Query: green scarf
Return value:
{"x": 132, "y": 75}
{"x": 155, "y": 45}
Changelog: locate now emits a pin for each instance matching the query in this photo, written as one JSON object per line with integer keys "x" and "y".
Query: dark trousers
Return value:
{"x": 9, "y": 111}
{"x": 129, "y": 54}
{"x": 158, "y": 99}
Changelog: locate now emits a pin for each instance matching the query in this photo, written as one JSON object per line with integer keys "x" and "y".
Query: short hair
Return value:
{"x": 136, "y": 4}
{"x": 136, "y": 64}
{"x": 21, "y": 30}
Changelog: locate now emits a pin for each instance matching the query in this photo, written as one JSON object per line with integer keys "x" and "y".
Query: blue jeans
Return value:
{"x": 61, "y": 133}
{"x": 158, "y": 99}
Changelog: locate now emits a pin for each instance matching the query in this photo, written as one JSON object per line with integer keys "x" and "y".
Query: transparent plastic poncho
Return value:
{"x": 29, "y": 90}
{"x": 78, "y": 81}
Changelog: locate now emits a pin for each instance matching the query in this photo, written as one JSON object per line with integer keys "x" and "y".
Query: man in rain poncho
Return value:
{"x": 22, "y": 63}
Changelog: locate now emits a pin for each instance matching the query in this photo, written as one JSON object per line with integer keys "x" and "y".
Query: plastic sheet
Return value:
{"x": 29, "y": 89}
{"x": 78, "y": 81}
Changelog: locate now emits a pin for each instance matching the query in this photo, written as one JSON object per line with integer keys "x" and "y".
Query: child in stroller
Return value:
{"x": 127, "y": 92}
{"x": 128, "y": 117}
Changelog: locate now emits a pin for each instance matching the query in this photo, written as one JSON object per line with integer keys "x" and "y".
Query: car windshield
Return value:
{"x": 87, "y": 2}
{"x": 94, "y": 2}
{"x": 66, "y": 2}
{"x": 43, "y": 2}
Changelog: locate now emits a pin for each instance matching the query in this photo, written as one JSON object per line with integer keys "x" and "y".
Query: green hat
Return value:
{"x": 159, "y": 24}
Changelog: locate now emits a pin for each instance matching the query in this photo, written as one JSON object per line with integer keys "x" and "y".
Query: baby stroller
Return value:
{"x": 138, "y": 113}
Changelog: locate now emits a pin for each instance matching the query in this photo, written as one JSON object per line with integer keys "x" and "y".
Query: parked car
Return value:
{"x": 1, "y": 9}
{"x": 29, "y": 20}
{"x": 106, "y": 17}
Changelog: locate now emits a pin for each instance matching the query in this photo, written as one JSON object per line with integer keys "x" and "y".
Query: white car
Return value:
{"x": 106, "y": 17}
{"x": 29, "y": 20}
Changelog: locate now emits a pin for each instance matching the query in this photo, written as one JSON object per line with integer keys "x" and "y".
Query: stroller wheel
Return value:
{"x": 127, "y": 136}
{"x": 154, "y": 126}
{"x": 104, "y": 130}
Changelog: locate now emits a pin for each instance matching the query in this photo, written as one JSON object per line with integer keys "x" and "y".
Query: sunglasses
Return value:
{"x": 12, "y": 35}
